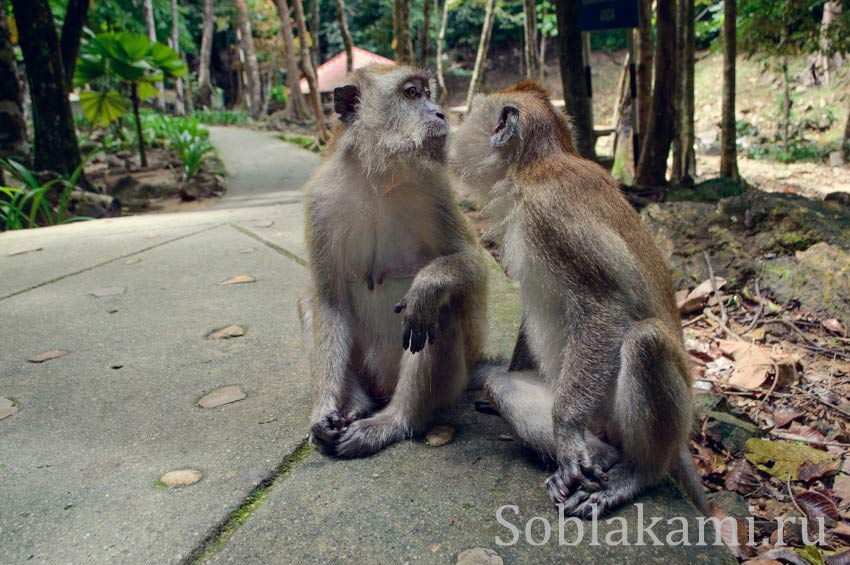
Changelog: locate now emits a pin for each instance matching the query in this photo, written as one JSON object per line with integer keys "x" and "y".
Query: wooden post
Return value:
{"x": 585, "y": 50}
{"x": 630, "y": 38}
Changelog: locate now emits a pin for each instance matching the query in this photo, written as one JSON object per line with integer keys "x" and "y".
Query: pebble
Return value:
{"x": 439, "y": 435}
{"x": 479, "y": 556}
{"x": 230, "y": 331}
{"x": 222, "y": 396}
{"x": 181, "y": 478}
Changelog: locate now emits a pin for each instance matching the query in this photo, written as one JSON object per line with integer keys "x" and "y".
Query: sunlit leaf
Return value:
{"x": 102, "y": 108}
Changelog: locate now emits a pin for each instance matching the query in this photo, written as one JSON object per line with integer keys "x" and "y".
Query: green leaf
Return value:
{"x": 134, "y": 45}
{"x": 89, "y": 68}
{"x": 147, "y": 90}
{"x": 166, "y": 59}
{"x": 102, "y": 108}
{"x": 780, "y": 459}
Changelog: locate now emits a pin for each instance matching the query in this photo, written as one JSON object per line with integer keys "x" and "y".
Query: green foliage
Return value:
{"x": 798, "y": 150}
{"x": 102, "y": 107}
{"x": 29, "y": 206}
{"x": 278, "y": 93}
{"x": 222, "y": 117}
{"x": 187, "y": 137}
{"x": 192, "y": 151}
{"x": 708, "y": 25}
{"x": 779, "y": 28}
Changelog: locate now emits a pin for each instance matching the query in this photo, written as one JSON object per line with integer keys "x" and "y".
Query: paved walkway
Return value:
{"x": 131, "y": 303}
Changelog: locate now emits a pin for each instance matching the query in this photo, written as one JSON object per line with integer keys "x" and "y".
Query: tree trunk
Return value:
{"x": 255, "y": 92}
{"x": 295, "y": 107}
{"x": 831, "y": 14}
{"x": 56, "y": 146}
{"x": 684, "y": 141}
{"x": 542, "y": 56}
{"x": 401, "y": 32}
{"x": 13, "y": 127}
{"x": 310, "y": 72}
{"x": 728, "y": 149}
{"x": 786, "y": 104}
{"x": 346, "y": 35}
{"x": 441, "y": 40}
{"x": 150, "y": 25}
{"x": 426, "y": 32}
{"x": 689, "y": 125}
{"x": 644, "y": 67}
{"x": 652, "y": 166}
{"x": 205, "y": 89}
{"x": 314, "y": 27}
{"x": 179, "y": 105}
{"x": 481, "y": 56}
{"x": 573, "y": 79}
{"x": 134, "y": 98}
{"x": 846, "y": 140}
{"x": 532, "y": 63}
{"x": 76, "y": 17}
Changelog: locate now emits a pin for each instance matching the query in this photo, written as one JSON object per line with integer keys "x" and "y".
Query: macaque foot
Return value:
{"x": 573, "y": 478}
{"x": 368, "y": 436}
{"x": 325, "y": 433}
{"x": 621, "y": 486}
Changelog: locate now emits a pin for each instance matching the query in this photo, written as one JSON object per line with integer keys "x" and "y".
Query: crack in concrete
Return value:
{"x": 283, "y": 251}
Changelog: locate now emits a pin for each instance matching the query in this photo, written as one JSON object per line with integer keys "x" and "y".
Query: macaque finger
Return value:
{"x": 431, "y": 334}
{"x": 405, "y": 338}
{"x": 400, "y": 306}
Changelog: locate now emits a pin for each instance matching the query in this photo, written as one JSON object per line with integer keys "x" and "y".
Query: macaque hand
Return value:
{"x": 421, "y": 307}
{"x": 326, "y": 431}
{"x": 577, "y": 475}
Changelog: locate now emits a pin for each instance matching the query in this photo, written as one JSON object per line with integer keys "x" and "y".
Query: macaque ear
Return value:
{"x": 346, "y": 99}
{"x": 508, "y": 127}
{"x": 435, "y": 90}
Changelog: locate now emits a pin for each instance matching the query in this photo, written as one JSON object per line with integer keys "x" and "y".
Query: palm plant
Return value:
{"x": 129, "y": 61}
{"x": 29, "y": 206}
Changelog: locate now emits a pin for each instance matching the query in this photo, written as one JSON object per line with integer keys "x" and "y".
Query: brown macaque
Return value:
{"x": 394, "y": 316}
{"x": 610, "y": 399}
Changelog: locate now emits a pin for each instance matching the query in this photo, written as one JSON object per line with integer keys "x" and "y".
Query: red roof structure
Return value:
{"x": 332, "y": 72}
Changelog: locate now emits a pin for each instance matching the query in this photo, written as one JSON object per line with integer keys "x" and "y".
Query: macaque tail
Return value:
{"x": 685, "y": 473}
{"x": 482, "y": 369}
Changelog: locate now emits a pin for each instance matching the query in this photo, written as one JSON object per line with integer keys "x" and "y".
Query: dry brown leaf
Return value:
{"x": 842, "y": 558}
{"x": 758, "y": 335}
{"x": 815, "y": 504}
{"x": 181, "y": 478}
{"x": 733, "y": 534}
{"x": 784, "y": 555}
{"x": 222, "y": 396}
{"x": 805, "y": 434}
{"x": 834, "y": 326}
{"x": 741, "y": 478}
{"x": 841, "y": 488}
{"x": 227, "y": 332}
{"x": 808, "y": 471}
{"x": 698, "y": 297}
{"x": 783, "y": 416}
{"x": 439, "y": 435}
{"x": 47, "y": 356}
{"x": 842, "y": 530}
{"x": 239, "y": 279}
{"x": 752, "y": 363}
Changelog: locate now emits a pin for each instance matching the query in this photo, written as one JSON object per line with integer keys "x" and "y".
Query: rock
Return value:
{"x": 709, "y": 402}
{"x": 732, "y": 503}
{"x": 730, "y": 432}
{"x": 93, "y": 205}
{"x": 712, "y": 150}
{"x": 222, "y": 396}
{"x": 836, "y": 158}
{"x": 181, "y": 478}
{"x": 7, "y": 408}
{"x": 479, "y": 556}
{"x": 227, "y": 332}
{"x": 819, "y": 277}
{"x": 129, "y": 189}
{"x": 439, "y": 435}
{"x": 840, "y": 198}
{"x": 709, "y": 136}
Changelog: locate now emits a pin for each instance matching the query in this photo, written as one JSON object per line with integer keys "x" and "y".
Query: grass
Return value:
{"x": 252, "y": 502}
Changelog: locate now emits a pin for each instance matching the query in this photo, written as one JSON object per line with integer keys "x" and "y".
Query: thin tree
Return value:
{"x": 346, "y": 35}
{"x": 652, "y": 166}
{"x": 150, "y": 26}
{"x": 76, "y": 17}
{"x": 728, "y": 149}
{"x": 179, "y": 105}
{"x": 441, "y": 40}
{"x": 295, "y": 105}
{"x": 426, "y": 32}
{"x": 846, "y": 139}
{"x": 684, "y": 160}
{"x": 314, "y": 25}
{"x": 309, "y": 71}
{"x": 255, "y": 87}
{"x": 56, "y": 146}
{"x": 576, "y": 96}
{"x": 827, "y": 58}
{"x": 13, "y": 138}
{"x": 644, "y": 66}
{"x": 205, "y": 90}
{"x": 402, "y": 38}
{"x": 532, "y": 60}
{"x": 481, "y": 55}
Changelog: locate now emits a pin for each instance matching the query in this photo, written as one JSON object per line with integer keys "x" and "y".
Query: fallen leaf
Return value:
{"x": 239, "y": 279}
{"x": 760, "y": 561}
{"x": 808, "y": 471}
{"x": 181, "y": 478}
{"x": 752, "y": 363}
{"x": 108, "y": 291}
{"x": 697, "y": 298}
{"x": 7, "y": 408}
{"x": 47, "y": 356}
{"x": 815, "y": 505}
{"x": 842, "y": 530}
{"x": 741, "y": 478}
{"x": 757, "y": 334}
{"x": 841, "y": 488}
{"x": 25, "y": 251}
{"x": 784, "y": 415}
{"x": 222, "y": 396}
{"x": 780, "y": 459}
{"x": 439, "y": 435}
{"x": 802, "y": 433}
{"x": 733, "y": 533}
{"x": 132, "y": 261}
{"x": 228, "y": 332}
{"x": 784, "y": 555}
{"x": 842, "y": 558}
{"x": 834, "y": 326}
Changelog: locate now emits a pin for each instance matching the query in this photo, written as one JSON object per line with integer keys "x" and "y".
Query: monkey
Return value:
{"x": 394, "y": 317}
{"x": 606, "y": 394}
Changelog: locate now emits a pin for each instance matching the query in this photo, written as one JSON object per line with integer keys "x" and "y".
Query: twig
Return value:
{"x": 822, "y": 401}
{"x": 693, "y": 321}
{"x": 772, "y": 386}
{"x": 812, "y": 442}
{"x": 723, "y": 315}
{"x": 793, "y": 499}
{"x": 759, "y": 312}
{"x": 722, "y": 324}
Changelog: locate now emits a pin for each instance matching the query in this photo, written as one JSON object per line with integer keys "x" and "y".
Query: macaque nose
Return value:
{"x": 441, "y": 115}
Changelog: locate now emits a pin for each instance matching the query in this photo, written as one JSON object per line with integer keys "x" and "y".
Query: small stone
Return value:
{"x": 730, "y": 432}
{"x": 836, "y": 158}
{"x": 132, "y": 261}
{"x": 229, "y": 332}
{"x": 479, "y": 556}
{"x": 439, "y": 435}
{"x": 109, "y": 291}
{"x": 239, "y": 279}
{"x": 222, "y": 396}
{"x": 181, "y": 478}
{"x": 47, "y": 356}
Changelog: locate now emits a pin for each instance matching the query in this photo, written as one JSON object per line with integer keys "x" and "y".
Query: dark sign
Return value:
{"x": 608, "y": 14}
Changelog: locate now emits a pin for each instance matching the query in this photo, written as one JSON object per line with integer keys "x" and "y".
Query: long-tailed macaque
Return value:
{"x": 394, "y": 316}
{"x": 610, "y": 402}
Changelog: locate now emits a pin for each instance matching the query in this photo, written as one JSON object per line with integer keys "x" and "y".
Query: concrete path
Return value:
{"x": 131, "y": 301}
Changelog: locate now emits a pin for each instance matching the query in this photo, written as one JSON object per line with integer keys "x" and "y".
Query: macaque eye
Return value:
{"x": 411, "y": 92}
{"x": 427, "y": 94}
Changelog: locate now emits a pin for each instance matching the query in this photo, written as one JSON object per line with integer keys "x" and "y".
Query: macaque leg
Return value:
{"x": 525, "y": 401}
{"x": 651, "y": 416}
{"x": 428, "y": 381}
